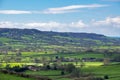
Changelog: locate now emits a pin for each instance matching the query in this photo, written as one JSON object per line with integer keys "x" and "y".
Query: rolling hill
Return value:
{"x": 24, "y": 38}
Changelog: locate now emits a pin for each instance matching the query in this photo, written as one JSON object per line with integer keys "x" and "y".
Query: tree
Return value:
{"x": 76, "y": 61}
{"x": 82, "y": 64}
{"x": 7, "y": 66}
{"x": 44, "y": 61}
{"x": 48, "y": 67}
{"x": 19, "y": 54}
{"x": 106, "y": 61}
{"x": 55, "y": 66}
{"x": 116, "y": 58}
{"x": 36, "y": 60}
{"x": 106, "y": 77}
{"x": 62, "y": 72}
{"x": 76, "y": 72}
{"x": 70, "y": 68}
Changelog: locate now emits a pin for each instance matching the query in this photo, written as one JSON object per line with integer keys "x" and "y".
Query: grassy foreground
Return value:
{"x": 12, "y": 77}
{"x": 113, "y": 71}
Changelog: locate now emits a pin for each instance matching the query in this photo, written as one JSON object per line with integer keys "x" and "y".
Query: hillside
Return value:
{"x": 24, "y": 38}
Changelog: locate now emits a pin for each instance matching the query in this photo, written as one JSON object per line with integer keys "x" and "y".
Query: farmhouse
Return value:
{"x": 33, "y": 68}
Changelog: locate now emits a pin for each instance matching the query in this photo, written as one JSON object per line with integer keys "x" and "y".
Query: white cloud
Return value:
{"x": 55, "y": 26}
{"x": 72, "y": 8}
{"x": 77, "y": 7}
{"x": 7, "y": 24}
{"x": 43, "y": 24}
{"x": 114, "y": 22}
{"x": 52, "y": 25}
{"x": 14, "y": 12}
{"x": 109, "y": 26}
{"x": 78, "y": 24}
{"x": 59, "y": 10}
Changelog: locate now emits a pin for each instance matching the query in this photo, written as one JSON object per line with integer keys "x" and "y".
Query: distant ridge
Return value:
{"x": 55, "y": 38}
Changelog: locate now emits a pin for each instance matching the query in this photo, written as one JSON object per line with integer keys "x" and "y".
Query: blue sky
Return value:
{"x": 91, "y": 16}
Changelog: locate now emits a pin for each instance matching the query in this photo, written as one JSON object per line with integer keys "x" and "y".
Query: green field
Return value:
{"x": 12, "y": 77}
{"x": 95, "y": 68}
{"x": 28, "y": 57}
{"x": 113, "y": 71}
{"x": 53, "y": 74}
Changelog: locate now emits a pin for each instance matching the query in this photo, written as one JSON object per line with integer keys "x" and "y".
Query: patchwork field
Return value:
{"x": 113, "y": 71}
{"x": 94, "y": 67}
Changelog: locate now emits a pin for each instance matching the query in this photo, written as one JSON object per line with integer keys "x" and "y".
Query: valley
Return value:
{"x": 58, "y": 56}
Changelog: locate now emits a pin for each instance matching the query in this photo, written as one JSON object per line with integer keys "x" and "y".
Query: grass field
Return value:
{"x": 29, "y": 57}
{"x": 96, "y": 68}
{"x": 12, "y": 77}
{"x": 53, "y": 74}
{"x": 86, "y": 64}
{"x": 66, "y": 55}
{"x": 113, "y": 71}
{"x": 3, "y": 65}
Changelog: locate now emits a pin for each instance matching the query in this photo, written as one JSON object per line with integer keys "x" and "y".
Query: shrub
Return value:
{"x": 106, "y": 77}
{"x": 62, "y": 72}
{"x": 90, "y": 78}
{"x": 76, "y": 72}
{"x": 48, "y": 67}
{"x": 18, "y": 69}
{"x": 70, "y": 68}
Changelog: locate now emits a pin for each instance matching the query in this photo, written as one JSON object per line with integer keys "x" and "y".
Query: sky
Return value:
{"x": 89, "y": 16}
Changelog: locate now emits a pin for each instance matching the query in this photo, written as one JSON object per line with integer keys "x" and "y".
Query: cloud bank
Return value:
{"x": 109, "y": 26}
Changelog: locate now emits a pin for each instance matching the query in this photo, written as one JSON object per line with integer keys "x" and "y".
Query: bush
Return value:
{"x": 70, "y": 68}
{"x": 76, "y": 72}
{"x": 18, "y": 69}
{"x": 89, "y": 78}
{"x": 48, "y": 67}
{"x": 106, "y": 77}
{"x": 62, "y": 72}
{"x": 55, "y": 66}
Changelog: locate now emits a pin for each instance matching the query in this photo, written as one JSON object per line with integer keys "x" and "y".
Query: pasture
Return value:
{"x": 27, "y": 58}
{"x": 12, "y": 77}
{"x": 113, "y": 71}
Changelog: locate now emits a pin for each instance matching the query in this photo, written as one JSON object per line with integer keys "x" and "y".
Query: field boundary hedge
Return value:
{"x": 36, "y": 77}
